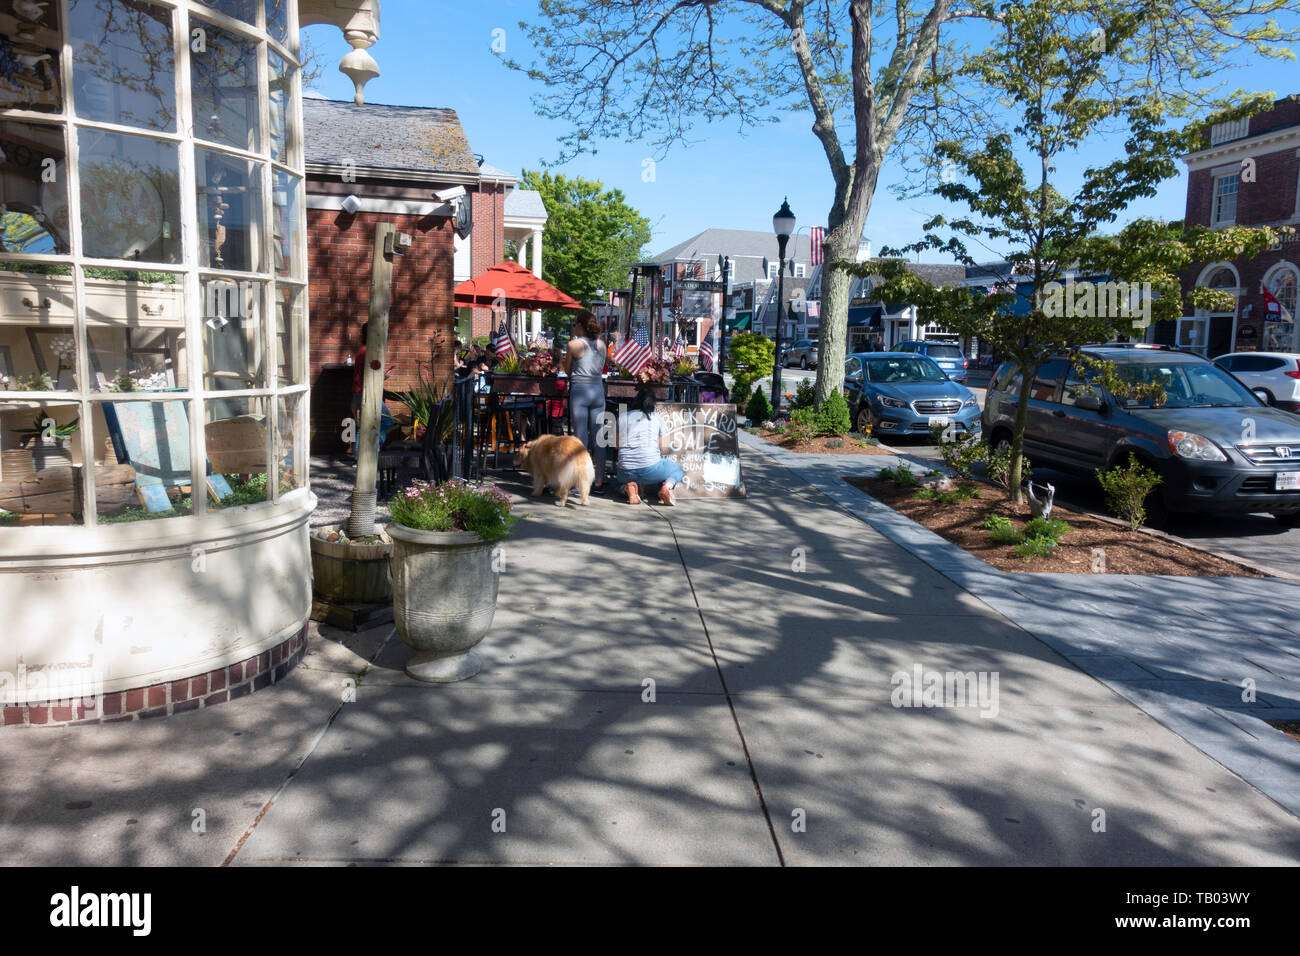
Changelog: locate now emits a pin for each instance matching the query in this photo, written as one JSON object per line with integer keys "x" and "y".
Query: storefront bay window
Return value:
{"x": 153, "y": 389}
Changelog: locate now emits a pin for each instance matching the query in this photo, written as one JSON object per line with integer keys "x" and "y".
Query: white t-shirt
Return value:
{"x": 639, "y": 447}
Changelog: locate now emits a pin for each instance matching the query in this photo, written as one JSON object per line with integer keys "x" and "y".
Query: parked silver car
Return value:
{"x": 802, "y": 353}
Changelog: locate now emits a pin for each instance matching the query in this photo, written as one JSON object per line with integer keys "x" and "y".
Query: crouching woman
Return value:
{"x": 643, "y": 438}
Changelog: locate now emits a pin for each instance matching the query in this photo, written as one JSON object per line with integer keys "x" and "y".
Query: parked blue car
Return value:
{"x": 897, "y": 393}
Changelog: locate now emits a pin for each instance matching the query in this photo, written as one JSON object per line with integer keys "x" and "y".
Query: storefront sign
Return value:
{"x": 699, "y": 285}
{"x": 702, "y": 439}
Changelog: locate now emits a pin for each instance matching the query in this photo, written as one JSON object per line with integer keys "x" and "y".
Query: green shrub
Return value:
{"x": 803, "y": 395}
{"x": 739, "y": 395}
{"x": 1001, "y": 530}
{"x": 750, "y": 357}
{"x": 926, "y": 494}
{"x": 835, "y": 443}
{"x": 1126, "y": 488}
{"x": 759, "y": 407}
{"x": 902, "y": 475}
{"x": 1035, "y": 548}
{"x": 833, "y": 417}
{"x": 961, "y": 456}
{"x": 998, "y": 467}
{"x": 802, "y": 427}
{"x": 1052, "y": 528}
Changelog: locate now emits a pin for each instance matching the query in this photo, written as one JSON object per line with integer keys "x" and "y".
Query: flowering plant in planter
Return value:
{"x": 540, "y": 363}
{"x": 454, "y": 505}
{"x": 684, "y": 367}
{"x": 654, "y": 371}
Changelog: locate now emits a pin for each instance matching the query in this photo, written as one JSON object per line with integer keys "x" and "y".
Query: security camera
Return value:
{"x": 447, "y": 195}
{"x": 351, "y": 204}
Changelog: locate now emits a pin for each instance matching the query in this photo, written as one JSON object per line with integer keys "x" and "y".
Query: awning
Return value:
{"x": 739, "y": 321}
{"x": 864, "y": 316}
{"x": 516, "y": 285}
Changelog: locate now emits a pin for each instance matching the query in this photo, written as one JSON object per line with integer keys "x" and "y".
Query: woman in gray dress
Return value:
{"x": 584, "y": 361}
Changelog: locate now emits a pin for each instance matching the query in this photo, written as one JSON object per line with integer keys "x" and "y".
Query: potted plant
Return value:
{"x": 444, "y": 574}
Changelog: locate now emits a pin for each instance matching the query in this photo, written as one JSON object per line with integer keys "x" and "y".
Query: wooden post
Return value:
{"x": 361, "y": 522}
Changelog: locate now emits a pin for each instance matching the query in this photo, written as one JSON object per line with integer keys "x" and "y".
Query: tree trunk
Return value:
{"x": 1015, "y": 471}
{"x": 842, "y": 240}
{"x": 361, "y": 519}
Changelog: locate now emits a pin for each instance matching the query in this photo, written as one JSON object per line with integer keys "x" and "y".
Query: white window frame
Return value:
{"x": 1217, "y": 176}
{"x": 800, "y": 270}
{"x": 87, "y": 396}
{"x": 773, "y": 270}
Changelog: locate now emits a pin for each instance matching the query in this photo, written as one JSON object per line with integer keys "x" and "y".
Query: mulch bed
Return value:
{"x": 1289, "y": 727}
{"x": 852, "y": 444}
{"x": 1126, "y": 551}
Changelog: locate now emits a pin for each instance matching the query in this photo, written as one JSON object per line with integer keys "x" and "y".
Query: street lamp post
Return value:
{"x": 783, "y": 226}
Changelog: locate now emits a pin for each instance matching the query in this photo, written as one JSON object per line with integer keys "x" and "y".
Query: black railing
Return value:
{"x": 462, "y": 429}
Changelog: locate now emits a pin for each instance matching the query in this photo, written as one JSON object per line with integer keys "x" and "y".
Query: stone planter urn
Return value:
{"x": 444, "y": 598}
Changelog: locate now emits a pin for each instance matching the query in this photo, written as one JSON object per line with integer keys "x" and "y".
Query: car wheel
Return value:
{"x": 803, "y": 363}
{"x": 1000, "y": 442}
{"x": 865, "y": 422}
{"x": 1288, "y": 520}
{"x": 1270, "y": 400}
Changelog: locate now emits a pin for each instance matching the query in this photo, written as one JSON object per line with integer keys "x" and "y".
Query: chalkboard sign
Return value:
{"x": 702, "y": 439}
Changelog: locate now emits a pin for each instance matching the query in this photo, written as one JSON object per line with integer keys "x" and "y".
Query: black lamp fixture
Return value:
{"x": 783, "y": 226}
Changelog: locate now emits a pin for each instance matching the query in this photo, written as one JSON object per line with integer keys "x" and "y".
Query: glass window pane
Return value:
{"x": 124, "y": 68}
{"x": 153, "y": 437}
{"x": 33, "y": 188}
{"x": 136, "y": 325}
{"x": 130, "y": 197}
{"x": 29, "y": 58}
{"x": 39, "y": 440}
{"x": 224, "y": 79}
{"x": 277, "y": 22}
{"x": 284, "y": 138}
{"x": 35, "y": 308}
{"x": 233, "y": 350}
{"x": 230, "y": 211}
{"x": 290, "y": 330}
{"x": 245, "y": 10}
{"x": 288, "y": 448}
{"x": 286, "y": 229}
{"x": 235, "y": 436}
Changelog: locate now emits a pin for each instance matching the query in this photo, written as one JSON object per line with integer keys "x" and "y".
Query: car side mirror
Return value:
{"x": 1260, "y": 394}
{"x": 1090, "y": 401}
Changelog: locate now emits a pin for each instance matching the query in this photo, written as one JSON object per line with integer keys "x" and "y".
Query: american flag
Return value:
{"x": 679, "y": 349}
{"x": 630, "y": 355}
{"x": 818, "y": 236}
{"x": 814, "y": 309}
{"x": 502, "y": 343}
{"x": 642, "y": 335}
{"x": 706, "y": 354}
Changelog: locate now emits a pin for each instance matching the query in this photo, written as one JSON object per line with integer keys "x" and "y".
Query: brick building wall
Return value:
{"x": 486, "y": 243}
{"x": 1269, "y": 200}
{"x": 421, "y": 328}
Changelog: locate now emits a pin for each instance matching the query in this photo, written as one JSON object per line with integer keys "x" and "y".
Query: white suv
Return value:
{"x": 1277, "y": 373}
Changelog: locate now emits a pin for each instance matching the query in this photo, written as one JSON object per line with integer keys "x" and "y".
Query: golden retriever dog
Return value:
{"x": 560, "y": 461}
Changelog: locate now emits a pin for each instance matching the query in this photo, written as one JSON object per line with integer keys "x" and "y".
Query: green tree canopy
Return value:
{"x": 872, "y": 79}
{"x": 591, "y": 234}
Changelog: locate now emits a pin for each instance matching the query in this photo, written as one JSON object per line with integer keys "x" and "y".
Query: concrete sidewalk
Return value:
{"x": 700, "y": 685}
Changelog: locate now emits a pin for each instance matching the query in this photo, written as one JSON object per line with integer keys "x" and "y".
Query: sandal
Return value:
{"x": 633, "y": 496}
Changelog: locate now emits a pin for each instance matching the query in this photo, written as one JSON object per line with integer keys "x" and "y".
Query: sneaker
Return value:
{"x": 666, "y": 496}
{"x": 633, "y": 496}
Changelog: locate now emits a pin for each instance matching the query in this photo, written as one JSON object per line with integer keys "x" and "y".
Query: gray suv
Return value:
{"x": 1217, "y": 447}
{"x": 947, "y": 355}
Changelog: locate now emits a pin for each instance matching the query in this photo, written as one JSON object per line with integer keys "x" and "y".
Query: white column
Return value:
{"x": 537, "y": 271}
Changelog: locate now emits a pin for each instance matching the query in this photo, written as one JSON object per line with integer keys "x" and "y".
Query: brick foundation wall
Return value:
{"x": 421, "y": 323}
{"x": 174, "y": 697}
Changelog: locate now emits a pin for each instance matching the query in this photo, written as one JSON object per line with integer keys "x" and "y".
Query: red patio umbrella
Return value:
{"x": 519, "y": 287}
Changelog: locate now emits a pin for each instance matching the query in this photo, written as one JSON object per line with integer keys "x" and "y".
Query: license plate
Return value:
{"x": 1288, "y": 481}
{"x": 943, "y": 420}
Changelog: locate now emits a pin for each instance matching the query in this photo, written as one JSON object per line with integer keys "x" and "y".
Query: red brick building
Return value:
{"x": 368, "y": 164}
{"x": 1248, "y": 174}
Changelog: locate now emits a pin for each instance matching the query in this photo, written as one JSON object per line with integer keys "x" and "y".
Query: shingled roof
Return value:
{"x": 417, "y": 139}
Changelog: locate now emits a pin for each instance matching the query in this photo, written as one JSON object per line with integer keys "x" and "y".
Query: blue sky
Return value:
{"x": 440, "y": 54}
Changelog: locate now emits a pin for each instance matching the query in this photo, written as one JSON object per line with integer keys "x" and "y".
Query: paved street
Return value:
{"x": 711, "y": 684}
